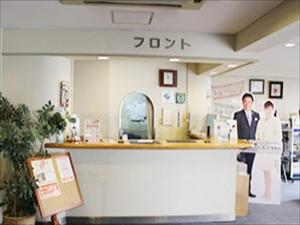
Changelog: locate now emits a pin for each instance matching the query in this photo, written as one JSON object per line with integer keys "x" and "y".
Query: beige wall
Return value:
{"x": 91, "y": 92}
{"x": 288, "y": 104}
{"x": 99, "y": 88}
{"x": 199, "y": 99}
{"x": 129, "y": 75}
{"x": 124, "y": 76}
{"x": 117, "y": 42}
{"x": 34, "y": 80}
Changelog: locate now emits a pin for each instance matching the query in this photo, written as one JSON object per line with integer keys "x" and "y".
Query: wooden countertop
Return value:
{"x": 198, "y": 145}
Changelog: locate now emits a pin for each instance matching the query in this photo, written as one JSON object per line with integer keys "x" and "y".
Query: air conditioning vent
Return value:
{"x": 185, "y": 4}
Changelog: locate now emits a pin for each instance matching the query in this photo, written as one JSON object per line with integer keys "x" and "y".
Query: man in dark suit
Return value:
{"x": 247, "y": 121}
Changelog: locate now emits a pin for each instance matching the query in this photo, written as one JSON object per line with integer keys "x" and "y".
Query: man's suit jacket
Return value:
{"x": 244, "y": 130}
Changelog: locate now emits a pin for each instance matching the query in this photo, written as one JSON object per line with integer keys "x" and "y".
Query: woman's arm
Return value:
{"x": 278, "y": 130}
{"x": 259, "y": 131}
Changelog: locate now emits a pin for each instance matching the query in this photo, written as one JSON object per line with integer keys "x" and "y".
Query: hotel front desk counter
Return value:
{"x": 162, "y": 181}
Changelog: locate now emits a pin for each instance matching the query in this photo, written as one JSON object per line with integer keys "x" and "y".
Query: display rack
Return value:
{"x": 295, "y": 153}
{"x": 291, "y": 142}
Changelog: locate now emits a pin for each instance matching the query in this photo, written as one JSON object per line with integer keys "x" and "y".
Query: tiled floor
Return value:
{"x": 288, "y": 213}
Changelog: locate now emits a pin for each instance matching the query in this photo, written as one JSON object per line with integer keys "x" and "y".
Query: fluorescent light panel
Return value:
{"x": 103, "y": 57}
{"x": 174, "y": 60}
{"x": 232, "y": 65}
{"x": 290, "y": 45}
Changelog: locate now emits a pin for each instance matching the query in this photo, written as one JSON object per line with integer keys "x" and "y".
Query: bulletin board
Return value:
{"x": 58, "y": 188}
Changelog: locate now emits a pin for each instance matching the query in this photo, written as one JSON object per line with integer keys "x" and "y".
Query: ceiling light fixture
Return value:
{"x": 290, "y": 45}
{"x": 232, "y": 65}
{"x": 103, "y": 57}
{"x": 174, "y": 60}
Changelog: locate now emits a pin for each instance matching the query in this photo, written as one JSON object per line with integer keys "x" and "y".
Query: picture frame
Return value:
{"x": 167, "y": 78}
{"x": 64, "y": 94}
{"x": 180, "y": 98}
{"x": 257, "y": 86}
{"x": 275, "y": 89}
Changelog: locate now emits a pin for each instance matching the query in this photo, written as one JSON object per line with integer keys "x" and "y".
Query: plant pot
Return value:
{"x": 59, "y": 137}
{"x": 26, "y": 220}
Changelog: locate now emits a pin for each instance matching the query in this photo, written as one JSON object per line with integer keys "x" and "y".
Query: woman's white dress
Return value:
{"x": 269, "y": 135}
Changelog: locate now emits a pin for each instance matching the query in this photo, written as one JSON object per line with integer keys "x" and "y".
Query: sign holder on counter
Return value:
{"x": 58, "y": 188}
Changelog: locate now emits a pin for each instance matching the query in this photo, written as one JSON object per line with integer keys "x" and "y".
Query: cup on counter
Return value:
{"x": 125, "y": 138}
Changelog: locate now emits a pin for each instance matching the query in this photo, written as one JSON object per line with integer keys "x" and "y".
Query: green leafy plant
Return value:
{"x": 17, "y": 137}
{"x": 49, "y": 123}
{"x": 20, "y": 132}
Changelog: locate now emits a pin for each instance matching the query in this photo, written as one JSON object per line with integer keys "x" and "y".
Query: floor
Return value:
{"x": 286, "y": 213}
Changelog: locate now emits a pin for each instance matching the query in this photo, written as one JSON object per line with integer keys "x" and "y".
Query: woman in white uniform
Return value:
{"x": 269, "y": 134}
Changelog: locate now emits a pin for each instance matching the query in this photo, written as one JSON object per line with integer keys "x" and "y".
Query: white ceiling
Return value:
{"x": 214, "y": 17}
{"x": 278, "y": 61}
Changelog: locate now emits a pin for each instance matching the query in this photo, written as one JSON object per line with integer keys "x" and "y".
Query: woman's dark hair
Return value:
{"x": 268, "y": 104}
{"x": 247, "y": 95}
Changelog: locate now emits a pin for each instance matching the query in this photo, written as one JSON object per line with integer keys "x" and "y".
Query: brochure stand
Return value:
{"x": 58, "y": 189}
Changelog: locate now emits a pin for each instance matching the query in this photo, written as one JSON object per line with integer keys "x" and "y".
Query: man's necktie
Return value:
{"x": 249, "y": 117}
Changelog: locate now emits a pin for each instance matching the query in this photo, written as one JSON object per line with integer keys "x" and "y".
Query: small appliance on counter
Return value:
{"x": 74, "y": 129}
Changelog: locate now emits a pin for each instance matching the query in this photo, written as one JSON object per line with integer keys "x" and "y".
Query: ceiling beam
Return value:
{"x": 275, "y": 20}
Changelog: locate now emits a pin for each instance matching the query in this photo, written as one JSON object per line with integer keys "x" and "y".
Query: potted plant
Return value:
{"x": 19, "y": 132}
{"x": 17, "y": 137}
{"x": 50, "y": 123}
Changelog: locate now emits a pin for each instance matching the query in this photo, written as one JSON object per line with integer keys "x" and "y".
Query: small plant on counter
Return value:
{"x": 17, "y": 137}
{"x": 49, "y": 123}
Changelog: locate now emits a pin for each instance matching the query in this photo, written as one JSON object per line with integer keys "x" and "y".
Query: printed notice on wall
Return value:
{"x": 167, "y": 97}
{"x": 65, "y": 169}
{"x": 228, "y": 90}
{"x": 43, "y": 171}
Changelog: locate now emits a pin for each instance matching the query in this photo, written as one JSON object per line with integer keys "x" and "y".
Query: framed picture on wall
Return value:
{"x": 168, "y": 78}
{"x": 257, "y": 86}
{"x": 275, "y": 89}
{"x": 64, "y": 94}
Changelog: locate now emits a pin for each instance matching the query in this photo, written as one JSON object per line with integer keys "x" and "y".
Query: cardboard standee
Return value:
{"x": 58, "y": 189}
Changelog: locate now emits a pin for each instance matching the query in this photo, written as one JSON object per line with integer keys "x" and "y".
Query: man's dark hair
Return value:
{"x": 247, "y": 95}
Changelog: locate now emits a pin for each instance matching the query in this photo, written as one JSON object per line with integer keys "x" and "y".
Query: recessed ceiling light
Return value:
{"x": 290, "y": 45}
{"x": 232, "y": 65}
{"x": 213, "y": 72}
{"x": 103, "y": 57}
{"x": 174, "y": 60}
